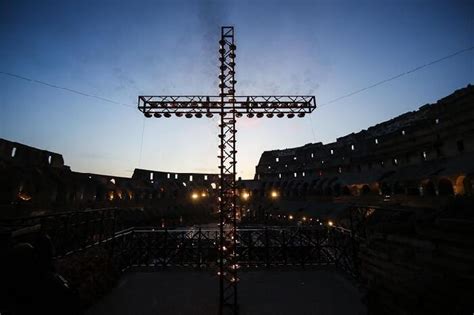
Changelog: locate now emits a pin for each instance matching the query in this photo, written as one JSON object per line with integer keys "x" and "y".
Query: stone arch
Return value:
{"x": 463, "y": 185}
{"x": 288, "y": 189}
{"x": 428, "y": 188}
{"x": 346, "y": 191}
{"x": 460, "y": 187}
{"x": 365, "y": 190}
{"x": 445, "y": 187}
{"x": 328, "y": 191}
{"x": 398, "y": 188}
{"x": 255, "y": 192}
{"x": 26, "y": 190}
{"x": 100, "y": 192}
{"x": 304, "y": 189}
{"x": 319, "y": 188}
{"x": 384, "y": 189}
{"x": 295, "y": 192}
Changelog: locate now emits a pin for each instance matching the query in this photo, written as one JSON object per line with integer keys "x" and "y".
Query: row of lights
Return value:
{"x": 306, "y": 219}
{"x": 192, "y": 104}
{"x": 245, "y": 195}
{"x": 210, "y": 115}
{"x": 196, "y": 195}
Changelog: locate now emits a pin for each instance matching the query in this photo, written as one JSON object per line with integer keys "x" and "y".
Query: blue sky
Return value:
{"x": 121, "y": 49}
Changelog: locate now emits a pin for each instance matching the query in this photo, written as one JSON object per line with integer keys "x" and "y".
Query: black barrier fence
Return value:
{"x": 196, "y": 247}
{"x": 256, "y": 247}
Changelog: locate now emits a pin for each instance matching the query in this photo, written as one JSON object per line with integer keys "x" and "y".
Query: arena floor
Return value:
{"x": 321, "y": 292}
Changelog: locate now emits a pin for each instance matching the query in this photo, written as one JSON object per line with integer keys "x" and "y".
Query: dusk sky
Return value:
{"x": 121, "y": 49}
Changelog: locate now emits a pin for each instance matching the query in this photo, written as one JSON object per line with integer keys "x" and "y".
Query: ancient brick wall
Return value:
{"x": 34, "y": 181}
{"x": 423, "y": 264}
{"x": 424, "y": 152}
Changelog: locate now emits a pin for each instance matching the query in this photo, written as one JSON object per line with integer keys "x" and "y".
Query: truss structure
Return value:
{"x": 229, "y": 107}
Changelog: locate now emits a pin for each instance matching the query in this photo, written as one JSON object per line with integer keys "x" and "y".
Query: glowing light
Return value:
{"x": 24, "y": 196}
{"x": 194, "y": 196}
{"x": 330, "y": 223}
{"x": 274, "y": 194}
{"x": 245, "y": 196}
{"x": 304, "y": 218}
{"x": 290, "y": 217}
{"x": 203, "y": 194}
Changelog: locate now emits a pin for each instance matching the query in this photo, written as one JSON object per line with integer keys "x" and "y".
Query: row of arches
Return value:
{"x": 53, "y": 189}
{"x": 444, "y": 186}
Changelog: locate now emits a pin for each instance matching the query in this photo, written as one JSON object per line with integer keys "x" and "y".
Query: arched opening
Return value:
{"x": 304, "y": 189}
{"x": 384, "y": 189}
{"x": 312, "y": 187}
{"x": 328, "y": 191}
{"x": 100, "y": 193}
{"x": 365, "y": 190}
{"x": 346, "y": 191}
{"x": 445, "y": 188}
{"x": 428, "y": 188}
{"x": 460, "y": 188}
{"x": 464, "y": 185}
{"x": 296, "y": 190}
{"x": 398, "y": 189}
{"x": 288, "y": 190}
{"x": 319, "y": 187}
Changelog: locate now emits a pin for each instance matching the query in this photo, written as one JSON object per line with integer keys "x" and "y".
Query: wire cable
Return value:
{"x": 397, "y": 76}
{"x": 65, "y": 89}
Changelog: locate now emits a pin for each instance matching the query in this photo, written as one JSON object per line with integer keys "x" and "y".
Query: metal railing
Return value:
{"x": 256, "y": 247}
{"x": 196, "y": 247}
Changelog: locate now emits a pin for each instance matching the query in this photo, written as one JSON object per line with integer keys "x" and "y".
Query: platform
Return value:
{"x": 275, "y": 292}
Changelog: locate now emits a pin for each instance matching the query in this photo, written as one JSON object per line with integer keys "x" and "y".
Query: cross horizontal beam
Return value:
{"x": 197, "y": 106}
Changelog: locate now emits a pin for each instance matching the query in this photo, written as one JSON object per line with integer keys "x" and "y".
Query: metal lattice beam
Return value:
{"x": 227, "y": 203}
{"x": 229, "y": 107}
{"x": 199, "y": 106}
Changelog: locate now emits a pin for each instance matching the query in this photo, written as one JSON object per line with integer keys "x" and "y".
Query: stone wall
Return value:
{"x": 420, "y": 264}
{"x": 34, "y": 181}
{"x": 424, "y": 152}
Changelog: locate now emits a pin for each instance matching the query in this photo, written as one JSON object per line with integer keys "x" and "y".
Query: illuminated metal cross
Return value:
{"x": 229, "y": 107}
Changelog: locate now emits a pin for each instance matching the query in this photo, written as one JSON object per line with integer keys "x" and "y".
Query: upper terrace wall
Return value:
{"x": 33, "y": 180}
{"x": 20, "y": 154}
{"x": 436, "y": 140}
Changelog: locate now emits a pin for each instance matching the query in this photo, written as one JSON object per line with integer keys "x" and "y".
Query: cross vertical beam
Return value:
{"x": 227, "y": 203}
{"x": 229, "y": 107}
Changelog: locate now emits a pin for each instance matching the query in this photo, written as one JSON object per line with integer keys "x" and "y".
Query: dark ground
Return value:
{"x": 322, "y": 292}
